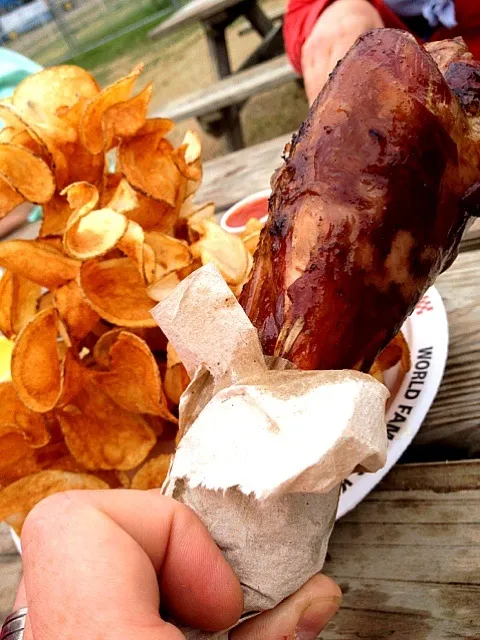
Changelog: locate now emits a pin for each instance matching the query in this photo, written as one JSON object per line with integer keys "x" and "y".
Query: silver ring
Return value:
{"x": 14, "y": 625}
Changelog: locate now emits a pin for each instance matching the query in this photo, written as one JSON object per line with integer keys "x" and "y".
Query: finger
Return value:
{"x": 20, "y": 603}
{"x": 301, "y": 616}
{"x": 91, "y": 561}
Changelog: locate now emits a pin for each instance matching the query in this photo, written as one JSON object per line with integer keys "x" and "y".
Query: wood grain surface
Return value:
{"x": 231, "y": 90}
{"x": 408, "y": 557}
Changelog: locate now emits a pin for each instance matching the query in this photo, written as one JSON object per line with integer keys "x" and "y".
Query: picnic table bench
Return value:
{"x": 408, "y": 557}
{"x": 216, "y": 16}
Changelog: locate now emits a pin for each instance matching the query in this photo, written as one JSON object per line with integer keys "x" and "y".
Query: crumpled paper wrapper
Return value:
{"x": 265, "y": 446}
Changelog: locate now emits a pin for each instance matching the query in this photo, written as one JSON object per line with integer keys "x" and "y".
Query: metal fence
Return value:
{"x": 65, "y": 28}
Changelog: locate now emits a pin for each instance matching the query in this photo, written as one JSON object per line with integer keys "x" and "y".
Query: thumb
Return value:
{"x": 302, "y": 615}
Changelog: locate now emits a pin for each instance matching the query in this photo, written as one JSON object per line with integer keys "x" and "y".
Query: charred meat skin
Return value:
{"x": 371, "y": 202}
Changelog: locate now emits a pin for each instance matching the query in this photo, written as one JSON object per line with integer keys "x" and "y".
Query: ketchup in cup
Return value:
{"x": 254, "y": 206}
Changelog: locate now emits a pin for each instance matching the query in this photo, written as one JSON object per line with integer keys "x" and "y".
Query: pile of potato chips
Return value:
{"x": 94, "y": 390}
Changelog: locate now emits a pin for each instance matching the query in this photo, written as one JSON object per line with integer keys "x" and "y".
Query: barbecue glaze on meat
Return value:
{"x": 371, "y": 202}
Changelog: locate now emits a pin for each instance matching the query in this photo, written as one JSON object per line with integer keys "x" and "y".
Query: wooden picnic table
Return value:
{"x": 408, "y": 557}
{"x": 216, "y": 16}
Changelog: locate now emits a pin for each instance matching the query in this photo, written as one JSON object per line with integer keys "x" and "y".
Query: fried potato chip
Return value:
{"x": 16, "y": 415}
{"x": 150, "y": 167}
{"x": 24, "y": 494}
{"x": 18, "y": 303}
{"x": 77, "y": 315}
{"x": 133, "y": 379}
{"x": 83, "y": 165}
{"x": 94, "y": 234}
{"x": 225, "y": 250}
{"x": 176, "y": 378}
{"x": 131, "y": 244}
{"x": 163, "y": 287}
{"x": 32, "y": 137}
{"x": 91, "y": 130}
{"x": 51, "y": 89}
{"x": 149, "y": 213}
{"x": 101, "y": 435}
{"x": 38, "y": 261}
{"x": 9, "y": 197}
{"x": 125, "y": 119}
{"x": 45, "y": 301}
{"x": 26, "y": 173}
{"x": 153, "y": 473}
{"x": 116, "y": 291}
{"x": 56, "y": 213}
{"x": 44, "y": 372}
{"x": 124, "y": 198}
{"x": 101, "y": 350}
{"x": 170, "y": 254}
{"x": 396, "y": 351}
{"x": 159, "y": 126}
{"x": 17, "y": 457}
{"x": 149, "y": 264}
{"x": 82, "y": 196}
{"x": 251, "y": 235}
{"x": 187, "y": 157}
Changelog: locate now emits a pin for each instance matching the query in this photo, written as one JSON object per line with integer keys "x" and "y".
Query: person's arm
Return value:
{"x": 334, "y": 32}
{"x": 102, "y": 564}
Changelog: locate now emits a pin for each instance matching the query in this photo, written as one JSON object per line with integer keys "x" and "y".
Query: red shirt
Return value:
{"x": 301, "y": 16}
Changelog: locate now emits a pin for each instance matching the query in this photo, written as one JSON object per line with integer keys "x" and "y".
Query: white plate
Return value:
{"x": 426, "y": 332}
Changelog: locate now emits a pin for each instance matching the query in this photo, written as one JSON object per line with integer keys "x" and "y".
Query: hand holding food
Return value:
{"x": 125, "y": 540}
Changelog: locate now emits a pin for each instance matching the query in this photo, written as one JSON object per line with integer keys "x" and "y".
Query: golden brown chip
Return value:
{"x": 133, "y": 379}
{"x": 18, "y": 303}
{"x": 44, "y": 372}
{"x": 396, "y": 351}
{"x": 148, "y": 163}
{"x": 9, "y": 197}
{"x": 56, "y": 213}
{"x": 149, "y": 213}
{"x": 91, "y": 133}
{"x": 77, "y": 315}
{"x": 170, "y": 254}
{"x": 101, "y": 435}
{"x": 24, "y": 494}
{"x": 116, "y": 291}
{"x": 83, "y": 165}
{"x": 82, "y": 196}
{"x": 27, "y": 173}
{"x": 17, "y": 457}
{"x": 153, "y": 473}
{"x": 125, "y": 119}
{"x": 45, "y": 301}
{"x": 225, "y": 250}
{"x": 163, "y": 287}
{"x": 13, "y": 412}
{"x": 123, "y": 199}
{"x": 52, "y": 89}
{"x": 38, "y": 261}
{"x": 251, "y": 235}
{"x": 101, "y": 350}
{"x": 159, "y": 126}
{"x": 176, "y": 377}
{"x": 94, "y": 233}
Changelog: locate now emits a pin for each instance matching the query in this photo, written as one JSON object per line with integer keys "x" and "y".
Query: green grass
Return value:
{"x": 113, "y": 49}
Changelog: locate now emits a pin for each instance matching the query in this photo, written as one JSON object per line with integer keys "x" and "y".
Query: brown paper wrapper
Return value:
{"x": 264, "y": 447}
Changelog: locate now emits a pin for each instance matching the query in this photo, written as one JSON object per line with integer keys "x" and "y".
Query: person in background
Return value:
{"x": 318, "y": 33}
{"x": 13, "y": 69}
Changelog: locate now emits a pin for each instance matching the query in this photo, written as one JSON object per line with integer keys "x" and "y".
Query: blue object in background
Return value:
{"x": 13, "y": 69}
